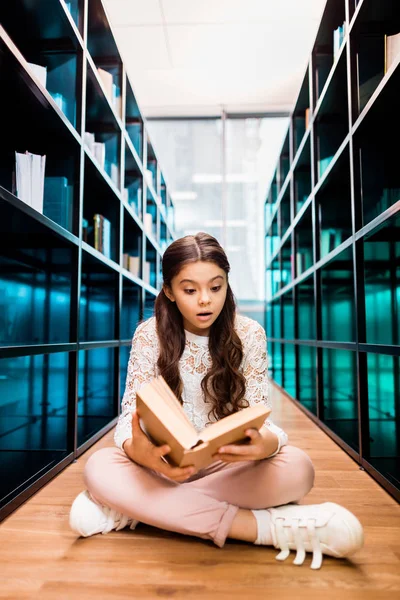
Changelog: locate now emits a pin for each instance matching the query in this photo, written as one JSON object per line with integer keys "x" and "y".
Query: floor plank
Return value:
{"x": 41, "y": 558}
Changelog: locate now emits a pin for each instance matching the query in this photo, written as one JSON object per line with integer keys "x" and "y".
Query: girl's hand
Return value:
{"x": 140, "y": 449}
{"x": 259, "y": 447}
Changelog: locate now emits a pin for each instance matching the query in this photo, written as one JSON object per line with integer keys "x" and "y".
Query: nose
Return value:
{"x": 204, "y": 299}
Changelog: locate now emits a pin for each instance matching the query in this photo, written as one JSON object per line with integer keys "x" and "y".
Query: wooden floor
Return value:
{"x": 41, "y": 558}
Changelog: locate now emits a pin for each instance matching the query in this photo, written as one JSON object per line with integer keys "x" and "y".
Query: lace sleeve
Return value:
{"x": 141, "y": 370}
{"x": 255, "y": 370}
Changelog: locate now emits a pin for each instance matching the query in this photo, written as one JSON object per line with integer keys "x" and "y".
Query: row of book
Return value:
{"x": 40, "y": 73}
{"x": 338, "y": 37}
{"x": 98, "y": 234}
{"x": 98, "y": 149}
{"x": 111, "y": 90}
{"x": 30, "y": 186}
{"x": 132, "y": 264}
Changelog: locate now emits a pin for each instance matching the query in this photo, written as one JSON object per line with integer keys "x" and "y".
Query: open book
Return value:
{"x": 166, "y": 422}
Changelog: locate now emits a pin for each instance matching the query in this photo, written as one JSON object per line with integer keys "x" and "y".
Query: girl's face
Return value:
{"x": 199, "y": 291}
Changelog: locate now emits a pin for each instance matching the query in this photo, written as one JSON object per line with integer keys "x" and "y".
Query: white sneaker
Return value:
{"x": 88, "y": 518}
{"x": 318, "y": 528}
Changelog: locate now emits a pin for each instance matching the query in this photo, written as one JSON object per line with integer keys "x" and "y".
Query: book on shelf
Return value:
{"x": 307, "y": 117}
{"x": 134, "y": 265}
{"x": 166, "y": 422}
{"x": 330, "y": 239}
{"x": 89, "y": 140}
{"x": 40, "y": 72}
{"x": 146, "y": 271}
{"x": 338, "y": 36}
{"x": 114, "y": 174}
{"x": 99, "y": 151}
{"x": 107, "y": 80}
{"x": 150, "y": 177}
{"x": 102, "y": 234}
{"x": 29, "y": 169}
{"x": 392, "y": 50}
{"x": 323, "y": 164}
{"x": 58, "y": 200}
{"x": 60, "y": 100}
{"x": 148, "y": 223}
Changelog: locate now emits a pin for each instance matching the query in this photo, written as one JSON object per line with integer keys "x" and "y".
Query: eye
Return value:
{"x": 190, "y": 292}
{"x": 216, "y": 288}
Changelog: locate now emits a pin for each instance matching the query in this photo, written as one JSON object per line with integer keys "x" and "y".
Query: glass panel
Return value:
{"x": 124, "y": 353}
{"x": 379, "y": 168}
{"x": 338, "y": 314}
{"x": 288, "y": 316}
{"x": 382, "y": 283}
{"x": 150, "y": 265}
{"x": 302, "y": 177}
{"x": 101, "y": 213}
{"x": 275, "y": 353}
{"x": 289, "y": 362}
{"x": 383, "y": 394}
{"x": 276, "y": 319}
{"x": 133, "y": 183}
{"x": 130, "y": 313}
{"x": 35, "y": 296}
{"x": 340, "y": 394}
{"x": 284, "y": 210}
{"x": 148, "y": 306}
{"x": 273, "y": 279}
{"x": 268, "y": 320}
{"x": 334, "y": 206}
{"x": 287, "y": 263}
{"x": 304, "y": 242}
{"x": 96, "y": 406}
{"x": 306, "y": 309}
{"x": 33, "y": 418}
{"x": 97, "y": 303}
{"x": 132, "y": 246}
{"x": 307, "y": 377}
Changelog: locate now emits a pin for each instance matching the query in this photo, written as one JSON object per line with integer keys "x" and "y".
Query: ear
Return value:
{"x": 168, "y": 293}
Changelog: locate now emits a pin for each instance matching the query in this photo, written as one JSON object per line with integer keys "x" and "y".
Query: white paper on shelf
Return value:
{"x": 107, "y": 238}
{"x": 37, "y": 181}
{"x": 107, "y": 80}
{"x": 23, "y": 177}
{"x": 146, "y": 272}
{"x": 392, "y": 49}
{"x": 114, "y": 174}
{"x": 99, "y": 151}
{"x": 148, "y": 223}
{"x": 89, "y": 141}
{"x": 39, "y": 72}
{"x": 134, "y": 265}
{"x": 150, "y": 177}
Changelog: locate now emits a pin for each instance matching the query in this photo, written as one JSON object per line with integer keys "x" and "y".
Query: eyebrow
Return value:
{"x": 191, "y": 280}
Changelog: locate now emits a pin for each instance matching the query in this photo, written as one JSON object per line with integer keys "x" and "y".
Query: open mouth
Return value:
{"x": 204, "y": 314}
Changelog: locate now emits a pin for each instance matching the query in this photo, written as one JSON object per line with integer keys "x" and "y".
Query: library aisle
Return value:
{"x": 41, "y": 558}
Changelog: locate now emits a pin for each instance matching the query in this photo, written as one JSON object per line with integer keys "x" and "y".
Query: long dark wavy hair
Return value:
{"x": 223, "y": 385}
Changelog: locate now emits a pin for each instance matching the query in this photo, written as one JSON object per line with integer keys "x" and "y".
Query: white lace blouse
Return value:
{"x": 193, "y": 364}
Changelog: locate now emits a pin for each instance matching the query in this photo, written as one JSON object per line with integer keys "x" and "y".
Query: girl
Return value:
{"x": 214, "y": 359}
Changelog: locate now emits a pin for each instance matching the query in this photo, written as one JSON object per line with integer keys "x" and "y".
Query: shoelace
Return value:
{"x": 282, "y": 542}
{"x": 114, "y": 517}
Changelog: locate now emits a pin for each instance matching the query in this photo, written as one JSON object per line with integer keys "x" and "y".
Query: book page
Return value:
{"x": 166, "y": 414}
{"x": 169, "y": 397}
{"x": 244, "y": 418}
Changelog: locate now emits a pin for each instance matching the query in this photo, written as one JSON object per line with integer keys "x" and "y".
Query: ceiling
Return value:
{"x": 199, "y": 57}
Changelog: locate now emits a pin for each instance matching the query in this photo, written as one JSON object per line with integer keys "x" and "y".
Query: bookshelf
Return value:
{"x": 332, "y": 224}
{"x": 70, "y": 299}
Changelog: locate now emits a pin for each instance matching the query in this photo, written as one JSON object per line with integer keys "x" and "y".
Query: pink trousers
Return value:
{"x": 204, "y": 505}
